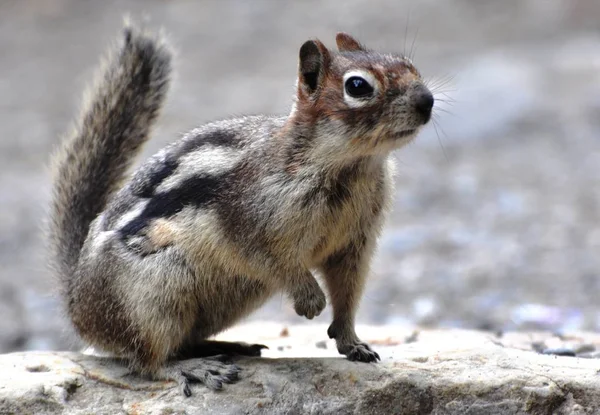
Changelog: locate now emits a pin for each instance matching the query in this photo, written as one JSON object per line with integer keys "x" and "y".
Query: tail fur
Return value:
{"x": 92, "y": 162}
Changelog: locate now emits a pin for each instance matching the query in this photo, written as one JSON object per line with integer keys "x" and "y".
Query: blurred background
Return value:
{"x": 496, "y": 222}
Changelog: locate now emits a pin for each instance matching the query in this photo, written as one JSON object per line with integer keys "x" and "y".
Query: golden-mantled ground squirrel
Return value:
{"x": 214, "y": 224}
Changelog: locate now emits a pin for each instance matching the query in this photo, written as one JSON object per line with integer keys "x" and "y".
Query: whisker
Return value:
{"x": 444, "y": 110}
{"x": 446, "y": 78}
{"x": 446, "y": 96}
{"x": 445, "y": 101}
{"x": 436, "y": 111}
{"x": 441, "y": 129}
{"x": 450, "y": 113}
{"x": 406, "y": 32}
{"x": 439, "y": 83}
{"x": 413, "y": 50}
{"x": 439, "y": 140}
{"x": 442, "y": 91}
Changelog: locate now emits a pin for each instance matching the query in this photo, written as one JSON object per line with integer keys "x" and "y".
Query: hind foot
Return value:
{"x": 213, "y": 372}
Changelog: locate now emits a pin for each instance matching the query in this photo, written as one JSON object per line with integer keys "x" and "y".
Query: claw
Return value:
{"x": 211, "y": 372}
{"x": 186, "y": 389}
{"x": 214, "y": 384}
{"x": 361, "y": 352}
{"x": 256, "y": 349}
{"x": 231, "y": 377}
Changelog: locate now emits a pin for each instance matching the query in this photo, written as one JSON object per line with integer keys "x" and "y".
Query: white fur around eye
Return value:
{"x": 359, "y": 102}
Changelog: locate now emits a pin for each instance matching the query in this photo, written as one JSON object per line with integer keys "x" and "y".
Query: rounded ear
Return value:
{"x": 314, "y": 62}
{"x": 347, "y": 43}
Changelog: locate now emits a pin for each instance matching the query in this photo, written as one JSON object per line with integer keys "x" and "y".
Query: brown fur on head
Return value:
{"x": 370, "y": 102}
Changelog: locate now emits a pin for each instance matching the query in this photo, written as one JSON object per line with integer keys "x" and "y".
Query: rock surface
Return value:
{"x": 501, "y": 212}
{"x": 427, "y": 372}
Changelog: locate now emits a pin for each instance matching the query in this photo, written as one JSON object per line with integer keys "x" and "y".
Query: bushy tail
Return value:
{"x": 115, "y": 123}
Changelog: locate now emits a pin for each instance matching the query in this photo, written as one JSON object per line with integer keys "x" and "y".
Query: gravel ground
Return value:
{"x": 496, "y": 222}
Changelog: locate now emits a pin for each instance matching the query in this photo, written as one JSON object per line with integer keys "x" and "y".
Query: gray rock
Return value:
{"x": 445, "y": 372}
{"x": 562, "y": 351}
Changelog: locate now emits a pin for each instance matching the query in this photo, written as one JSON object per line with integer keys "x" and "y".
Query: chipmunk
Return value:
{"x": 214, "y": 224}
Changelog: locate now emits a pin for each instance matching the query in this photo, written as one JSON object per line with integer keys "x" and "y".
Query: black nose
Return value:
{"x": 423, "y": 101}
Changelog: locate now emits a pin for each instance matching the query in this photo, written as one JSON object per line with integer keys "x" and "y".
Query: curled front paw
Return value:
{"x": 359, "y": 352}
{"x": 310, "y": 305}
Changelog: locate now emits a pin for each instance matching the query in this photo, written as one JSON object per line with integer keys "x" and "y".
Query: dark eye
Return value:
{"x": 358, "y": 87}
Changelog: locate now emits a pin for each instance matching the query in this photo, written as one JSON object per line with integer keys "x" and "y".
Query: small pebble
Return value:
{"x": 412, "y": 338}
{"x": 539, "y": 346}
{"x": 584, "y": 348}
{"x": 559, "y": 351}
{"x": 590, "y": 355}
{"x": 321, "y": 345}
{"x": 559, "y": 334}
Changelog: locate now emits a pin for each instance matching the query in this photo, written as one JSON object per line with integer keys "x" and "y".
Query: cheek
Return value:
{"x": 370, "y": 121}
{"x": 366, "y": 121}
{"x": 370, "y": 118}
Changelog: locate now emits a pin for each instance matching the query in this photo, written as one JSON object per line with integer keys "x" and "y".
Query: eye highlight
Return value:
{"x": 358, "y": 87}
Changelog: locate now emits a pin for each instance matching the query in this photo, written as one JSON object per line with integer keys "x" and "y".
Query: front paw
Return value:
{"x": 359, "y": 352}
{"x": 310, "y": 305}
